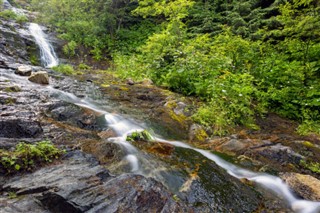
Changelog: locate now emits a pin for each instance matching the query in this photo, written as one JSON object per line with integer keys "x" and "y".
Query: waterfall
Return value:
{"x": 48, "y": 55}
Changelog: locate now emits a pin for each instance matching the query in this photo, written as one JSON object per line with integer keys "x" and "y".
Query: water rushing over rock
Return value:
{"x": 124, "y": 126}
{"x": 138, "y": 163}
{"x": 48, "y": 55}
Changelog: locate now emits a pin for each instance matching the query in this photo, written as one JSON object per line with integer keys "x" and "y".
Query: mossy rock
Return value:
{"x": 140, "y": 136}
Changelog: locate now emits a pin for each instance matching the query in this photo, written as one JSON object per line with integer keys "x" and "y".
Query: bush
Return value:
{"x": 69, "y": 49}
{"x": 21, "y": 19}
{"x": 66, "y": 69}
{"x": 8, "y": 14}
{"x": 83, "y": 66}
{"x": 28, "y": 156}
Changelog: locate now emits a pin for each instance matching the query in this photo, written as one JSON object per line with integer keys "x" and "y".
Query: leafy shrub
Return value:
{"x": 28, "y": 156}
{"x": 129, "y": 66}
{"x": 21, "y": 19}
{"x": 8, "y": 14}
{"x": 83, "y": 66}
{"x": 64, "y": 68}
{"x": 69, "y": 48}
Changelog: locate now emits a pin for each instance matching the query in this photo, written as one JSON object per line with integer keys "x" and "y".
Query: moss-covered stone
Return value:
{"x": 12, "y": 89}
{"x": 140, "y": 136}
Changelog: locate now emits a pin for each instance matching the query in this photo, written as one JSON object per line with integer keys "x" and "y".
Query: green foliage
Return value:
{"x": 64, "y": 68}
{"x": 12, "y": 195}
{"x": 69, "y": 48}
{"x": 128, "y": 40}
{"x": 139, "y": 136}
{"x": 21, "y": 19}
{"x": 129, "y": 66}
{"x": 83, "y": 66}
{"x": 9, "y": 14}
{"x": 27, "y": 156}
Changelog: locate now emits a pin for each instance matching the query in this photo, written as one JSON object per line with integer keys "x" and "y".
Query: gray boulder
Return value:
{"x": 24, "y": 70}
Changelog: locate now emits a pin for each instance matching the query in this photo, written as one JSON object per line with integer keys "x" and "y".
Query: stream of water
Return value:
{"x": 123, "y": 127}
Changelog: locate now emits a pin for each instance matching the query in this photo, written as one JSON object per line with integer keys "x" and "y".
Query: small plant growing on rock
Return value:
{"x": 139, "y": 136}
{"x": 27, "y": 156}
{"x": 312, "y": 166}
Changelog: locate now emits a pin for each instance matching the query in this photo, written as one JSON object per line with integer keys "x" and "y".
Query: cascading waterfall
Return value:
{"x": 48, "y": 55}
{"x": 123, "y": 127}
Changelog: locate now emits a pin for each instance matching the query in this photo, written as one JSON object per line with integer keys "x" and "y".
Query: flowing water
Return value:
{"x": 123, "y": 126}
{"x": 48, "y": 56}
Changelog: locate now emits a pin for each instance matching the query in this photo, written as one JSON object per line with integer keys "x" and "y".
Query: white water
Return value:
{"x": 48, "y": 55}
{"x": 267, "y": 181}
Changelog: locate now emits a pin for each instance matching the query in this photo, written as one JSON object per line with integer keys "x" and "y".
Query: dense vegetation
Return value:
{"x": 242, "y": 58}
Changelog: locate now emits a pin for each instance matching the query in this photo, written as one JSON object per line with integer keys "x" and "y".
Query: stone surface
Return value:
{"x": 3, "y": 64}
{"x": 40, "y": 77}
{"x": 305, "y": 186}
{"x": 197, "y": 133}
{"x": 24, "y": 70}
{"x": 16, "y": 43}
{"x": 79, "y": 184}
{"x": 18, "y": 128}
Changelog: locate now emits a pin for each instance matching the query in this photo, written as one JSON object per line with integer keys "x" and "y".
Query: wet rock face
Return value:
{"x": 19, "y": 128}
{"x": 76, "y": 116}
{"x": 18, "y": 116}
{"x": 79, "y": 184}
{"x": 211, "y": 189}
{"x": 16, "y": 44}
